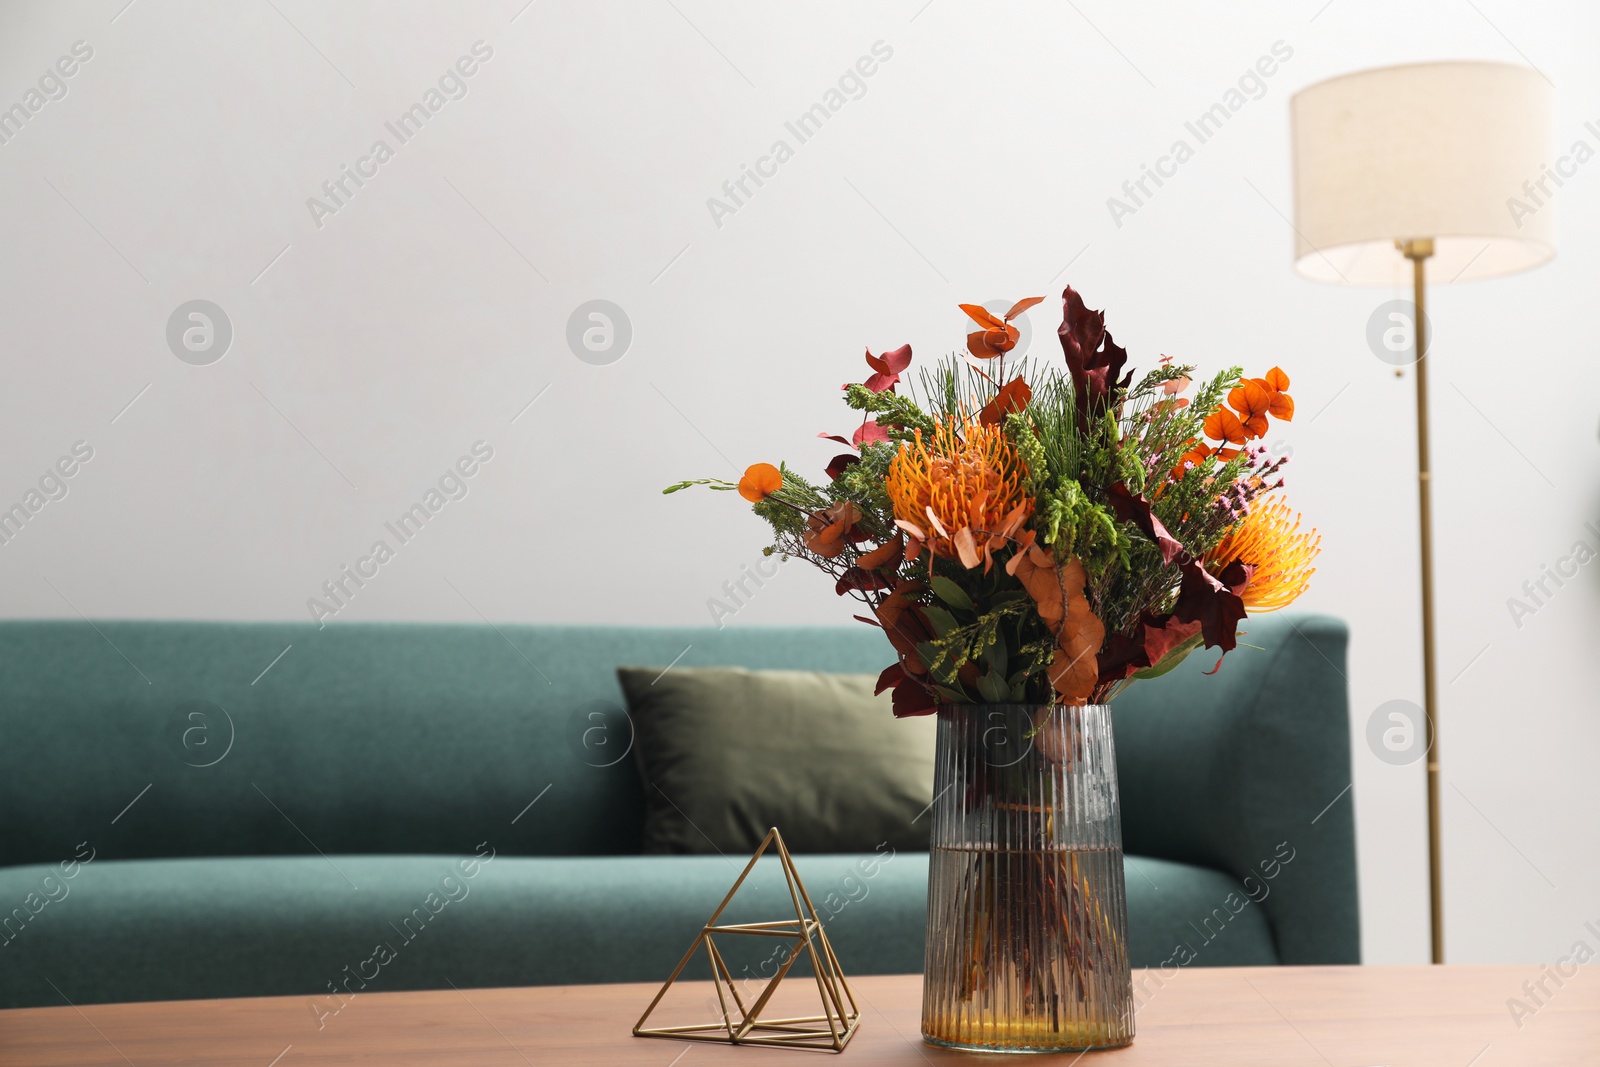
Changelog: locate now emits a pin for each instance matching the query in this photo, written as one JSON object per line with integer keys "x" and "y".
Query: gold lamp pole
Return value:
{"x": 1456, "y": 150}
{"x": 1417, "y": 250}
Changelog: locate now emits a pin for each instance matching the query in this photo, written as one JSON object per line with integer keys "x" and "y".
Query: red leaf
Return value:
{"x": 868, "y": 433}
{"x": 982, "y": 316}
{"x": 888, "y": 367}
{"x": 857, "y": 578}
{"x": 1013, "y": 396}
{"x": 979, "y": 346}
{"x": 834, "y": 437}
{"x": 886, "y": 556}
{"x": 905, "y": 623}
{"x": 1023, "y": 305}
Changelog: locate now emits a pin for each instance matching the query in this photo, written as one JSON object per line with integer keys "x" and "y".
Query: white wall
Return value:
{"x": 432, "y": 307}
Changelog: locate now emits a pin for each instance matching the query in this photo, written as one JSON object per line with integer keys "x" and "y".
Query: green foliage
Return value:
{"x": 984, "y": 619}
{"x": 987, "y": 641}
{"x": 899, "y": 415}
{"x": 863, "y": 483}
{"x": 714, "y": 483}
{"x": 951, "y": 593}
{"x": 1025, "y": 438}
{"x": 786, "y": 509}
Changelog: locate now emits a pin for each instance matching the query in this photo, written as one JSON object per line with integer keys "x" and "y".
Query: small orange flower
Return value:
{"x": 1252, "y": 400}
{"x": 1279, "y": 403}
{"x": 960, "y": 492}
{"x": 1224, "y": 425}
{"x": 1198, "y": 454}
{"x": 760, "y": 481}
{"x": 1268, "y": 539}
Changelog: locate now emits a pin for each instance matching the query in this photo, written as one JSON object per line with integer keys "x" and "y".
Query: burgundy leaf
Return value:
{"x": 1136, "y": 509}
{"x": 1214, "y": 604}
{"x": 1159, "y": 640}
{"x": 840, "y": 463}
{"x": 912, "y": 698}
{"x": 892, "y": 676}
{"x": 1122, "y": 655}
{"x": 1093, "y": 358}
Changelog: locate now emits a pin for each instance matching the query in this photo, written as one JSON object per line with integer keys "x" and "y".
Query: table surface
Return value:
{"x": 1452, "y": 1016}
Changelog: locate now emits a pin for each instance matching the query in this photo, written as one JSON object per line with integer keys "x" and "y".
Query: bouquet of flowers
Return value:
{"x": 1047, "y": 537}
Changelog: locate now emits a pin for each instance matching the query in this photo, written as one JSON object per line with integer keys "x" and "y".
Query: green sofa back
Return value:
{"x": 362, "y": 738}
{"x": 421, "y": 738}
{"x": 1239, "y": 770}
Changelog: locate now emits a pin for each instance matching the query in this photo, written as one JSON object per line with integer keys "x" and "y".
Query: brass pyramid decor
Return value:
{"x": 741, "y": 1023}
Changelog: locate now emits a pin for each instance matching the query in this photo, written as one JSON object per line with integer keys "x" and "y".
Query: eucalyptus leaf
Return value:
{"x": 992, "y": 687}
{"x": 943, "y": 621}
{"x": 929, "y": 653}
{"x": 951, "y": 593}
{"x": 995, "y": 654}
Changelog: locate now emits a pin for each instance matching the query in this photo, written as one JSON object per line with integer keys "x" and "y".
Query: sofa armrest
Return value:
{"x": 1248, "y": 771}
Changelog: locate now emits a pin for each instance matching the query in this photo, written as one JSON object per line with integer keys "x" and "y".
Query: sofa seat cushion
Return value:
{"x": 260, "y": 926}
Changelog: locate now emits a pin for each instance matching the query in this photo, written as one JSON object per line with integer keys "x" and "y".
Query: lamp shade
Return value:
{"x": 1436, "y": 150}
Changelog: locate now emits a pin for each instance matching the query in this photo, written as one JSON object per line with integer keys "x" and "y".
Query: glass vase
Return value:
{"x": 1027, "y": 910}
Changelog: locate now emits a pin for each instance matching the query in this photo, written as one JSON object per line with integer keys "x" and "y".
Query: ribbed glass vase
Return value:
{"x": 1027, "y": 911}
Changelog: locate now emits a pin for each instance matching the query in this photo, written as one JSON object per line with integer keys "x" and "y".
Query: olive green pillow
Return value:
{"x": 727, "y": 753}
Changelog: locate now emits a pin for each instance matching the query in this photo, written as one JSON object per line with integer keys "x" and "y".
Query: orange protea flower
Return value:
{"x": 959, "y": 492}
{"x": 1268, "y": 539}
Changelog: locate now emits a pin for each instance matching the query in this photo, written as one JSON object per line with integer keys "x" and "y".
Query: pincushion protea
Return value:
{"x": 959, "y": 492}
{"x": 1268, "y": 541}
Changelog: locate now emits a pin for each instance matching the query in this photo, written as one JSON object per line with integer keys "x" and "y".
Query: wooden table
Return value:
{"x": 1283, "y": 1016}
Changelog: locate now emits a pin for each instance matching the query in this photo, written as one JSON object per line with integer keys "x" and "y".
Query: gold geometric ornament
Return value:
{"x": 741, "y": 1023}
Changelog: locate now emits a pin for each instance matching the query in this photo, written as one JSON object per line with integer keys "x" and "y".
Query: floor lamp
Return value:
{"x": 1394, "y": 167}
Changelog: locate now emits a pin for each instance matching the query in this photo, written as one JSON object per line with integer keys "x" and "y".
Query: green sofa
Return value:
{"x": 191, "y": 811}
